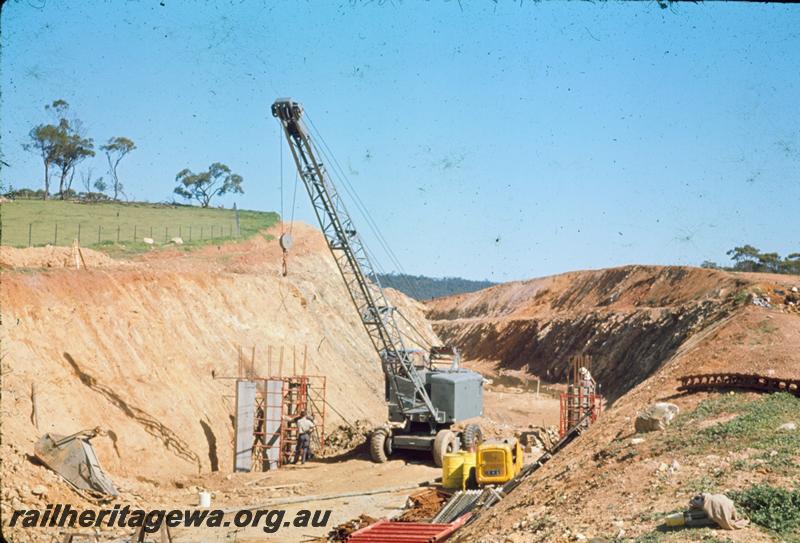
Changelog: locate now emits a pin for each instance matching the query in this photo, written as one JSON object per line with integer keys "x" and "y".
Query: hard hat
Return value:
{"x": 583, "y": 371}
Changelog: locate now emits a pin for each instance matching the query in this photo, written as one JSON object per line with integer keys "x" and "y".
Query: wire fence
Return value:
{"x": 35, "y": 234}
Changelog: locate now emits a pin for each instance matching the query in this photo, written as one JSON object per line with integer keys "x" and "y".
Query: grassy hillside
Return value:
{"x": 118, "y": 225}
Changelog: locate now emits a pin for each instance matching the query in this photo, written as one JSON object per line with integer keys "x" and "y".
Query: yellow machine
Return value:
{"x": 498, "y": 461}
{"x": 494, "y": 463}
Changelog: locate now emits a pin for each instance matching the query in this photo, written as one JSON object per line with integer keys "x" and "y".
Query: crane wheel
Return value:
{"x": 471, "y": 437}
{"x": 379, "y": 445}
{"x": 445, "y": 442}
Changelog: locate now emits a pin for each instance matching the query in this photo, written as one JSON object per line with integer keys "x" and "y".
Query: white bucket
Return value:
{"x": 205, "y": 499}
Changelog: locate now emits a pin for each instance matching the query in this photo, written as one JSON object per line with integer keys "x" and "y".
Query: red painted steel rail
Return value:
{"x": 386, "y": 531}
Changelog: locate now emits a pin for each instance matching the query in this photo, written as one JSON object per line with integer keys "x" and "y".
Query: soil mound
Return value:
{"x": 54, "y": 257}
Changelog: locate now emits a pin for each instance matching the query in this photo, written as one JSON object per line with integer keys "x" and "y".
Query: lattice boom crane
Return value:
{"x": 424, "y": 398}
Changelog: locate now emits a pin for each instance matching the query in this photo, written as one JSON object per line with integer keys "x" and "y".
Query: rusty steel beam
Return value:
{"x": 749, "y": 381}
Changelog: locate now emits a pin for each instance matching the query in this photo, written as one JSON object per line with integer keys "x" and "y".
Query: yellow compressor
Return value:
{"x": 498, "y": 461}
{"x": 494, "y": 462}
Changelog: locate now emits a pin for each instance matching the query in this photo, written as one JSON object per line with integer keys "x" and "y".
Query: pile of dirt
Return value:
{"x": 343, "y": 531}
{"x": 54, "y": 257}
{"x": 423, "y": 505}
{"x": 539, "y": 438}
{"x": 347, "y": 437}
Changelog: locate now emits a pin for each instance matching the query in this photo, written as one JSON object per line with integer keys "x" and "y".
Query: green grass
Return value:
{"x": 755, "y": 426}
{"x": 102, "y": 222}
{"x": 776, "y": 509}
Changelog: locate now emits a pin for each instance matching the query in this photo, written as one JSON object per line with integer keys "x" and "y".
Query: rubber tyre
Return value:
{"x": 445, "y": 442}
{"x": 377, "y": 445}
{"x": 471, "y": 437}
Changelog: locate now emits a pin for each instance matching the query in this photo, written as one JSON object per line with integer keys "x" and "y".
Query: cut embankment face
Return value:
{"x": 610, "y": 483}
{"x": 147, "y": 350}
{"x": 630, "y": 320}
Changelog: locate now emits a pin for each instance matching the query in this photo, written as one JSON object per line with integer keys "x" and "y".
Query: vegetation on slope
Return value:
{"x": 762, "y": 476}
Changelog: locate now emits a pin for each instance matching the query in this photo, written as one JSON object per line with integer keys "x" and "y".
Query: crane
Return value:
{"x": 424, "y": 398}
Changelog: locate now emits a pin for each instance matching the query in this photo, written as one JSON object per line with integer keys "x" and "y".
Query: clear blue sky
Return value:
{"x": 489, "y": 141}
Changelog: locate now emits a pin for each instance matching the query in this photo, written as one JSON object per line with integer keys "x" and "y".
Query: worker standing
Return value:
{"x": 305, "y": 425}
{"x": 587, "y": 383}
{"x": 587, "y": 389}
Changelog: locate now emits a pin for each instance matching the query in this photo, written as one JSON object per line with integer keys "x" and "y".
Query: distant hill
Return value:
{"x": 422, "y": 287}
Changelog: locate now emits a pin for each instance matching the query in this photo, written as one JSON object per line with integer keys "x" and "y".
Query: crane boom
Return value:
{"x": 405, "y": 385}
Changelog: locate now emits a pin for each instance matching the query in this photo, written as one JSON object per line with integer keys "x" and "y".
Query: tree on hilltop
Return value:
{"x": 203, "y": 186}
{"x": 62, "y": 144}
{"x": 116, "y": 149}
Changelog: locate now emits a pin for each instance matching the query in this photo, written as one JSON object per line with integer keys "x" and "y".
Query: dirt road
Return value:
{"x": 320, "y": 479}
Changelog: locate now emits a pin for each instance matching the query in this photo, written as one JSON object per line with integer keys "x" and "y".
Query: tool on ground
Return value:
{"x": 423, "y": 399}
{"x": 73, "y": 458}
{"x": 709, "y": 510}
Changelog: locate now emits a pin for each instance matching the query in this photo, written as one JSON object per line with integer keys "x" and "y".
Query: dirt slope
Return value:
{"x": 645, "y": 327}
{"x": 630, "y": 319}
{"x": 136, "y": 348}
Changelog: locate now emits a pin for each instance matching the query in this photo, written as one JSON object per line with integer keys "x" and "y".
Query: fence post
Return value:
{"x": 151, "y": 232}
{"x": 117, "y": 233}
{"x": 55, "y": 236}
{"x": 79, "y": 233}
{"x": 30, "y": 233}
{"x": 201, "y": 232}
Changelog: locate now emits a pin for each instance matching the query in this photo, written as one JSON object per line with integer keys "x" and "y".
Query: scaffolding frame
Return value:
{"x": 298, "y": 393}
{"x": 279, "y": 400}
{"x": 579, "y": 407}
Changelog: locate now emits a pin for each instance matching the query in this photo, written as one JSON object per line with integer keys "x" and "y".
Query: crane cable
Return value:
{"x": 283, "y": 239}
{"x": 339, "y": 172}
{"x": 280, "y": 160}
{"x": 423, "y": 341}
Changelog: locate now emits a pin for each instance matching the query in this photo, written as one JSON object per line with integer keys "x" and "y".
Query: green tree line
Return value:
{"x": 422, "y": 287}
{"x": 749, "y": 259}
{"x": 63, "y": 145}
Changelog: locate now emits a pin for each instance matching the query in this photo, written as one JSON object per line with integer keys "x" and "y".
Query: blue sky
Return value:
{"x": 500, "y": 141}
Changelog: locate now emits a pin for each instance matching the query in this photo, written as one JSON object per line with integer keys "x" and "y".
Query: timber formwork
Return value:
{"x": 578, "y": 408}
{"x": 580, "y": 405}
{"x": 277, "y": 407}
{"x": 277, "y": 401}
